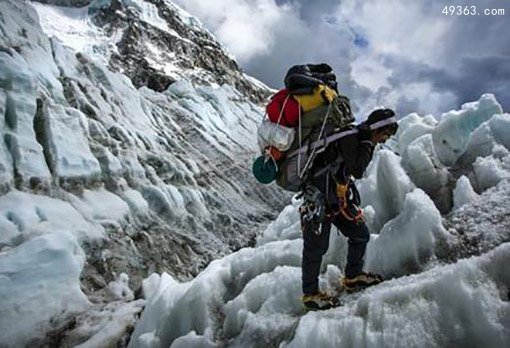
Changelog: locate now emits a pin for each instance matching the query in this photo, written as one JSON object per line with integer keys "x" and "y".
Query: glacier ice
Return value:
{"x": 463, "y": 193}
{"x": 453, "y": 131}
{"x": 406, "y": 243}
{"x": 460, "y": 304}
{"x": 437, "y": 307}
{"x": 411, "y": 127}
{"x": 111, "y": 154}
{"x": 20, "y": 107}
{"x": 119, "y": 288}
{"x": 39, "y": 282}
{"x": 443, "y": 304}
{"x": 384, "y": 188}
{"x": 25, "y": 216}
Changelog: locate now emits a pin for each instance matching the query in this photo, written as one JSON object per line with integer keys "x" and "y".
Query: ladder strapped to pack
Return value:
{"x": 321, "y": 144}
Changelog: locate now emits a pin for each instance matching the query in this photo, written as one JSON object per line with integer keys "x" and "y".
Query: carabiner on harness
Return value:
{"x": 348, "y": 200}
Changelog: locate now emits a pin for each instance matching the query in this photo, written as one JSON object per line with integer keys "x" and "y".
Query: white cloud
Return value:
{"x": 246, "y": 28}
{"x": 415, "y": 57}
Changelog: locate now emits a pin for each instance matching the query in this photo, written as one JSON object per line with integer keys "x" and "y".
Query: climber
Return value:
{"x": 330, "y": 197}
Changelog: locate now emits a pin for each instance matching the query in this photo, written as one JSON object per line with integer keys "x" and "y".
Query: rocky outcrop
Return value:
{"x": 148, "y": 48}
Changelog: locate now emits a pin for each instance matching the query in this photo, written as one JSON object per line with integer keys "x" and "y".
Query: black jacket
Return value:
{"x": 348, "y": 156}
{"x": 355, "y": 155}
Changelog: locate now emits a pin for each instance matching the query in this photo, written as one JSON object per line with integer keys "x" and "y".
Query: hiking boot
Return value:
{"x": 361, "y": 281}
{"x": 320, "y": 301}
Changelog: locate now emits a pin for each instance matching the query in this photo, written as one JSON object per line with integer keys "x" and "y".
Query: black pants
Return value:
{"x": 315, "y": 246}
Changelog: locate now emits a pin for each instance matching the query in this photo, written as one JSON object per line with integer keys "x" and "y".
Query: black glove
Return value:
{"x": 364, "y": 132}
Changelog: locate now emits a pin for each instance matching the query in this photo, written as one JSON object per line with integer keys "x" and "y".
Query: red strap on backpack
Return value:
{"x": 283, "y": 102}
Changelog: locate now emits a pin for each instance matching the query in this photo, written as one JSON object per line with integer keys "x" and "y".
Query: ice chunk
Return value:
{"x": 463, "y": 304}
{"x": 286, "y": 226}
{"x": 489, "y": 171}
{"x": 384, "y": 187}
{"x": 105, "y": 205}
{"x": 483, "y": 139}
{"x": 265, "y": 300}
{"x": 165, "y": 293}
{"x": 500, "y": 126}
{"x": 194, "y": 202}
{"x": 20, "y": 88}
{"x": 135, "y": 201}
{"x": 268, "y": 303}
{"x": 420, "y": 160}
{"x": 71, "y": 155}
{"x": 198, "y": 305}
{"x": 27, "y": 215}
{"x": 6, "y": 170}
{"x": 452, "y": 134}
{"x": 408, "y": 241}
{"x": 119, "y": 288}
{"x": 411, "y": 128}
{"x": 105, "y": 326}
{"x": 193, "y": 340}
{"x": 463, "y": 193}
{"x": 481, "y": 142}
{"x": 151, "y": 285}
{"x": 427, "y": 172}
{"x": 39, "y": 287}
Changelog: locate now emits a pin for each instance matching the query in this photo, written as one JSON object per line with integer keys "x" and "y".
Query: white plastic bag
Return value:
{"x": 272, "y": 134}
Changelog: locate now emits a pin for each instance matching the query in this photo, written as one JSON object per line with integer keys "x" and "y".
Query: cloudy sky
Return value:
{"x": 395, "y": 53}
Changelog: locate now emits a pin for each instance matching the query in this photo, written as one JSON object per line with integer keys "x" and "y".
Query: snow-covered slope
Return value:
{"x": 102, "y": 172}
{"x": 448, "y": 277}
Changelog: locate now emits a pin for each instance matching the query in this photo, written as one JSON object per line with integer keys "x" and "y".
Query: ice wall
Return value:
{"x": 139, "y": 180}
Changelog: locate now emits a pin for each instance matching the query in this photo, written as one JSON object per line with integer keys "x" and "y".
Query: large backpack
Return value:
{"x": 320, "y": 127}
{"x": 301, "y": 116}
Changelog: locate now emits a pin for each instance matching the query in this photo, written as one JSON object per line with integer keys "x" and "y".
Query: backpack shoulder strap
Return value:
{"x": 321, "y": 144}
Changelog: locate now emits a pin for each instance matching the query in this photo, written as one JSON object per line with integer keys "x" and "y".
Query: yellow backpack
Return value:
{"x": 321, "y": 95}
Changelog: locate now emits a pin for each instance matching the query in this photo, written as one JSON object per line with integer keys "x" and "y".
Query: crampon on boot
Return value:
{"x": 320, "y": 301}
{"x": 361, "y": 281}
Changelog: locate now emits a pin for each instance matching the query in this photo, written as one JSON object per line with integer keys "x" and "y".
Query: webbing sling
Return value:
{"x": 320, "y": 144}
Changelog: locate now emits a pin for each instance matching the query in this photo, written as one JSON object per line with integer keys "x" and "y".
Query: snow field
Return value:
{"x": 74, "y": 28}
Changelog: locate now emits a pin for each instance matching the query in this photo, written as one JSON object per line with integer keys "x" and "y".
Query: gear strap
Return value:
{"x": 343, "y": 192}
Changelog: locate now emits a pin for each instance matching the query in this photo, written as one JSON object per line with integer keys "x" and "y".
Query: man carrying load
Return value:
{"x": 322, "y": 160}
